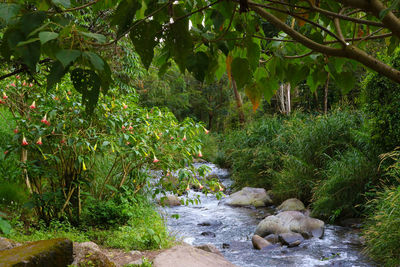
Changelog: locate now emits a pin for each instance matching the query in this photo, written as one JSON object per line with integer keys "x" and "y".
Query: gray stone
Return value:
{"x": 249, "y": 196}
{"x": 291, "y": 204}
{"x": 185, "y": 256}
{"x": 290, "y": 221}
{"x": 90, "y": 252}
{"x": 7, "y": 244}
{"x": 291, "y": 239}
{"x": 272, "y": 238}
{"x": 169, "y": 200}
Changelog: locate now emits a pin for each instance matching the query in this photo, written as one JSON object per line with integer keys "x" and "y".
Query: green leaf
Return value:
{"x": 30, "y": 54}
{"x": 297, "y": 73}
{"x": 5, "y": 226}
{"x": 345, "y": 81}
{"x": 95, "y": 60}
{"x": 57, "y": 71}
{"x": 144, "y": 40}
{"x": 241, "y": 71}
{"x": 27, "y": 42}
{"x": 198, "y": 65}
{"x": 98, "y": 37}
{"x": 47, "y": 36}
{"x": 268, "y": 86}
{"x": 253, "y": 54}
{"x": 8, "y": 11}
{"x": 393, "y": 6}
{"x": 30, "y": 21}
{"x": 64, "y": 3}
{"x": 316, "y": 78}
{"x": 67, "y": 56}
{"x": 125, "y": 14}
{"x": 87, "y": 82}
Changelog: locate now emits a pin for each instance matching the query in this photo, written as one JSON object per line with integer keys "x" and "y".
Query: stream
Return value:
{"x": 230, "y": 229}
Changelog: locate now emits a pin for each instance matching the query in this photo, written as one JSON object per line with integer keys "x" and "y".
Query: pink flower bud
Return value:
{"x": 4, "y": 95}
{"x": 130, "y": 128}
{"x": 187, "y": 188}
{"x": 184, "y": 138}
{"x": 128, "y": 143}
{"x": 201, "y": 187}
{"x": 172, "y": 138}
{"x": 125, "y": 106}
{"x": 123, "y": 127}
{"x": 12, "y": 84}
{"x": 31, "y": 85}
{"x": 6, "y": 152}
{"x": 200, "y": 154}
{"x": 16, "y": 130}
{"x": 33, "y": 105}
{"x": 147, "y": 116}
{"x": 17, "y": 76}
{"x": 1, "y": 101}
{"x": 24, "y": 142}
{"x": 206, "y": 131}
{"x": 155, "y": 160}
{"x": 39, "y": 141}
{"x": 24, "y": 83}
{"x": 168, "y": 174}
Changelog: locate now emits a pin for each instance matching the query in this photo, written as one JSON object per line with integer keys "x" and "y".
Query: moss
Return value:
{"x": 54, "y": 252}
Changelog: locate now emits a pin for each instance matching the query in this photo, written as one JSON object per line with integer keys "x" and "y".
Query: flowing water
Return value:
{"x": 230, "y": 229}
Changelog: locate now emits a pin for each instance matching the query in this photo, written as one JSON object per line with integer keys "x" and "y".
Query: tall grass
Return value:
{"x": 313, "y": 158}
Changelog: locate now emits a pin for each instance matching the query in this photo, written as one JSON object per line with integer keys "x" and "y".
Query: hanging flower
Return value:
{"x": 6, "y": 152}
{"x": 45, "y": 121}
{"x": 172, "y": 138}
{"x": 206, "y": 131}
{"x": 31, "y": 85}
{"x": 184, "y": 138}
{"x": 33, "y": 105}
{"x": 200, "y": 186}
{"x": 62, "y": 141}
{"x": 24, "y": 142}
{"x": 220, "y": 188}
{"x": 187, "y": 187}
{"x": 123, "y": 128}
{"x": 200, "y": 154}
{"x": 130, "y": 128}
{"x": 17, "y": 76}
{"x": 39, "y": 141}
{"x": 147, "y": 115}
{"x": 83, "y": 166}
{"x": 125, "y": 106}
{"x": 24, "y": 83}
{"x": 1, "y": 101}
{"x": 168, "y": 173}
{"x": 128, "y": 143}
{"x": 12, "y": 84}
{"x": 4, "y": 95}
{"x": 155, "y": 160}
{"x": 16, "y": 130}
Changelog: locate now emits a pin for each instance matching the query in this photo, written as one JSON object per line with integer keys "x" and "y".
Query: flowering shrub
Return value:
{"x": 60, "y": 144}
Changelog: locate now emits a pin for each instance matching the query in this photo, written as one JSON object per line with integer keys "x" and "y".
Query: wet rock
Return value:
{"x": 210, "y": 223}
{"x": 184, "y": 256}
{"x": 53, "y": 252}
{"x": 259, "y": 242}
{"x": 290, "y": 221}
{"x": 249, "y": 196}
{"x": 272, "y": 238}
{"x": 211, "y": 234}
{"x": 210, "y": 248}
{"x": 169, "y": 200}
{"x": 225, "y": 245}
{"x": 352, "y": 222}
{"x": 291, "y": 239}
{"x": 89, "y": 252}
{"x": 7, "y": 244}
{"x": 291, "y": 204}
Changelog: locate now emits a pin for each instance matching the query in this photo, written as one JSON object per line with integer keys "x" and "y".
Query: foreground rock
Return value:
{"x": 169, "y": 200}
{"x": 185, "y": 256}
{"x": 291, "y": 204}
{"x": 49, "y": 253}
{"x": 89, "y": 252}
{"x": 249, "y": 196}
{"x": 259, "y": 242}
{"x": 210, "y": 248}
{"x": 290, "y": 221}
{"x": 7, "y": 244}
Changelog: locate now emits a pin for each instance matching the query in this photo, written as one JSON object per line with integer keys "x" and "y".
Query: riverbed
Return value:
{"x": 230, "y": 229}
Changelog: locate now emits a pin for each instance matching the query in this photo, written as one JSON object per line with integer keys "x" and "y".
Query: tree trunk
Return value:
{"x": 284, "y": 98}
{"x": 24, "y": 159}
{"x": 326, "y": 95}
{"x": 239, "y": 102}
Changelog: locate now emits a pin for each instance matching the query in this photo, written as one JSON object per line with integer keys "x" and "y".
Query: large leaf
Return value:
{"x": 95, "y": 60}
{"x": 67, "y": 56}
{"x": 198, "y": 65}
{"x": 345, "y": 81}
{"x": 30, "y": 54}
{"x": 179, "y": 39}
{"x": 253, "y": 53}
{"x": 57, "y": 71}
{"x": 87, "y": 82}
{"x": 317, "y": 77}
{"x": 100, "y": 38}
{"x": 8, "y": 11}
{"x": 64, "y": 3}
{"x": 125, "y": 14}
{"x": 254, "y": 93}
{"x": 31, "y": 21}
{"x": 47, "y": 36}
{"x": 241, "y": 71}
{"x": 144, "y": 39}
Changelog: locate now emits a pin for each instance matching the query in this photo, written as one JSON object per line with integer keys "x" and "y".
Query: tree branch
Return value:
{"x": 24, "y": 68}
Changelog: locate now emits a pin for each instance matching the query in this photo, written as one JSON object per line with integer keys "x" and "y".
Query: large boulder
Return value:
{"x": 259, "y": 242}
{"x": 249, "y": 196}
{"x": 210, "y": 248}
{"x": 169, "y": 200}
{"x": 184, "y": 256}
{"x": 291, "y": 204}
{"x": 290, "y": 221}
{"x": 49, "y": 253}
{"x": 89, "y": 252}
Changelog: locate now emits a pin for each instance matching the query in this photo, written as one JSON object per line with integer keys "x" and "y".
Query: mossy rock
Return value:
{"x": 46, "y": 253}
